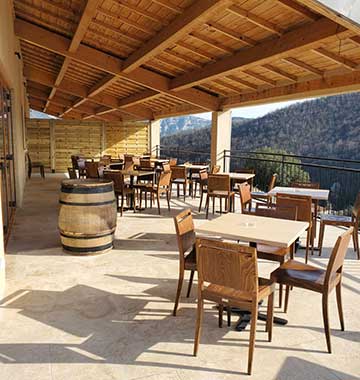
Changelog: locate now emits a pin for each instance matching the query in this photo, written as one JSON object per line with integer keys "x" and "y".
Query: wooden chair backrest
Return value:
{"x": 72, "y": 173}
{"x": 166, "y": 167}
{"x": 272, "y": 182}
{"x": 306, "y": 185}
{"x": 145, "y": 163}
{"x": 337, "y": 257}
{"x": 185, "y": 232}
{"x": 164, "y": 179}
{"x": 106, "y": 159}
{"x": 172, "y": 161}
{"x": 289, "y": 213}
{"x": 215, "y": 169}
{"x": 81, "y": 164}
{"x": 204, "y": 175}
{"x": 356, "y": 208}
{"x": 218, "y": 182}
{"x": 245, "y": 170}
{"x": 245, "y": 195}
{"x": 92, "y": 169}
{"x": 227, "y": 264}
{"x": 178, "y": 172}
{"x": 29, "y": 159}
{"x": 117, "y": 178}
{"x": 301, "y": 202}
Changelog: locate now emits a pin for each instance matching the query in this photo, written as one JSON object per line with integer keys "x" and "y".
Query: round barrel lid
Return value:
{"x": 85, "y": 183}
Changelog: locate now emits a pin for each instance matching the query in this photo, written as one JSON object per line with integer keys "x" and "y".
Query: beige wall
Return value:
{"x": 11, "y": 71}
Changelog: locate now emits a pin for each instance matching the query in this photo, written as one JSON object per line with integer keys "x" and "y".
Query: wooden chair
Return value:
{"x": 72, "y": 173}
{"x": 231, "y": 275}
{"x": 166, "y": 167}
{"x": 296, "y": 274}
{"x": 81, "y": 167}
{"x": 128, "y": 162}
{"x": 304, "y": 213}
{"x": 203, "y": 185}
{"x": 146, "y": 164}
{"x": 219, "y": 187}
{"x": 179, "y": 178}
{"x": 105, "y": 159}
{"x": 244, "y": 170}
{"x": 345, "y": 221}
{"x": 185, "y": 233}
{"x": 172, "y": 162}
{"x": 263, "y": 196}
{"x": 121, "y": 190}
{"x": 92, "y": 169}
{"x": 162, "y": 187}
{"x": 273, "y": 253}
{"x": 245, "y": 197}
{"x": 35, "y": 164}
{"x": 215, "y": 169}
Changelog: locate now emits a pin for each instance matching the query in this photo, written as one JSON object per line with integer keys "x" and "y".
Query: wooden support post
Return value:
{"x": 220, "y": 139}
{"x": 103, "y": 138}
{"x": 52, "y": 145}
{"x": 154, "y": 136}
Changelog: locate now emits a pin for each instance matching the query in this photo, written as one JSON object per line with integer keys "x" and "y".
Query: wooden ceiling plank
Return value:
{"x": 181, "y": 26}
{"x": 195, "y": 50}
{"x": 299, "y": 9}
{"x": 138, "y": 98}
{"x": 304, "y": 37}
{"x": 232, "y": 34}
{"x": 235, "y": 9}
{"x": 304, "y": 66}
{"x": 213, "y": 43}
{"x": 260, "y": 77}
{"x": 337, "y": 58}
{"x": 280, "y": 72}
{"x": 166, "y": 4}
{"x": 243, "y": 82}
{"x": 142, "y": 12}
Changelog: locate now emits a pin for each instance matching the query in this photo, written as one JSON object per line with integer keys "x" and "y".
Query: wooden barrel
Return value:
{"x": 87, "y": 217}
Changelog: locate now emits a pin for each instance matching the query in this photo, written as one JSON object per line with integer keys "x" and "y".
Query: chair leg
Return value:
{"x": 270, "y": 316}
{"x": 220, "y": 205}
{"x": 168, "y": 199}
{"x": 339, "y": 305}
{"x": 321, "y": 237}
{"x": 140, "y": 200}
{"x": 190, "y": 284}
{"x": 184, "y": 190}
{"x": 221, "y": 310}
{"x": 254, "y": 313}
{"x": 199, "y": 318}
{"x": 178, "y": 292}
{"x": 207, "y": 206}
{"x": 122, "y": 205}
{"x": 356, "y": 241}
{"x": 307, "y": 245}
{"x": 280, "y": 294}
{"x": 201, "y": 198}
{"x": 158, "y": 202}
{"x": 228, "y": 312}
{"x": 213, "y": 199}
{"x": 287, "y": 293}
{"x": 325, "y": 307}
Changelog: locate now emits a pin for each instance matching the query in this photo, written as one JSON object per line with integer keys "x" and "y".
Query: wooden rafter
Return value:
{"x": 260, "y": 77}
{"x": 167, "y": 4}
{"x": 86, "y": 17}
{"x": 211, "y": 42}
{"x": 302, "y": 38}
{"x": 337, "y": 58}
{"x": 181, "y": 26}
{"x": 243, "y": 82}
{"x": 280, "y": 72}
{"x": 231, "y": 33}
{"x": 299, "y": 9}
{"x": 235, "y": 9}
{"x": 304, "y": 66}
{"x": 105, "y": 62}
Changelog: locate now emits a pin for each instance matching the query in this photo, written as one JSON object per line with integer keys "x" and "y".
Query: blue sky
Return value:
{"x": 256, "y": 111}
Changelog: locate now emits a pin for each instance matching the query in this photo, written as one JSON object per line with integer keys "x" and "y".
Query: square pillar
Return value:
{"x": 155, "y": 137}
{"x": 220, "y": 139}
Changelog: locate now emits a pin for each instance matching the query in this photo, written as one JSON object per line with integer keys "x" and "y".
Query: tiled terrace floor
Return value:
{"x": 109, "y": 317}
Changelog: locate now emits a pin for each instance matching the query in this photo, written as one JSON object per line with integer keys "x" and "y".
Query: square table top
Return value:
{"x": 241, "y": 176}
{"x": 195, "y": 166}
{"x": 256, "y": 229}
{"x": 318, "y": 194}
{"x": 136, "y": 173}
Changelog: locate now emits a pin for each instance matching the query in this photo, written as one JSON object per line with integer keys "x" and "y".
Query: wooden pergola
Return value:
{"x": 149, "y": 59}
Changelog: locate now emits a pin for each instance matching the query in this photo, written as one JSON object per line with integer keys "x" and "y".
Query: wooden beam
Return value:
{"x": 231, "y": 33}
{"x": 304, "y": 66}
{"x": 195, "y": 50}
{"x": 299, "y": 9}
{"x": 337, "y": 58}
{"x": 243, "y": 82}
{"x": 280, "y": 72}
{"x": 89, "y": 56}
{"x": 260, "y": 77}
{"x": 138, "y": 98}
{"x": 142, "y": 12}
{"x": 355, "y": 39}
{"x": 211, "y": 42}
{"x": 181, "y": 26}
{"x": 301, "y": 38}
{"x": 236, "y": 10}
{"x": 166, "y": 4}
{"x": 328, "y": 85}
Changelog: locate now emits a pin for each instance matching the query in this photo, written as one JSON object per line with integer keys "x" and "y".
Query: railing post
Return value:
{"x": 157, "y": 152}
{"x": 282, "y": 169}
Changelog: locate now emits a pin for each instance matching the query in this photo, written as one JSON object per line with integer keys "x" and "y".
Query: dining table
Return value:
{"x": 254, "y": 230}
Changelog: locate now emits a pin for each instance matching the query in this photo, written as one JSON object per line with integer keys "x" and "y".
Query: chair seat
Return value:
{"x": 190, "y": 260}
{"x": 214, "y": 291}
{"x": 259, "y": 194}
{"x": 36, "y": 164}
{"x": 179, "y": 180}
{"x": 220, "y": 193}
{"x": 336, "y": 219}
{"x": 301, "y": 275}
{"x": 272, "y": 253}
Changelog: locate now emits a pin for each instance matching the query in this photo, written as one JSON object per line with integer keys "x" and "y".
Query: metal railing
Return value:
{"x": 340, "y": 176}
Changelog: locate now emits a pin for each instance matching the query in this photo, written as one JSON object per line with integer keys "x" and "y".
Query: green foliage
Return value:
{"x": 269, "y": 161}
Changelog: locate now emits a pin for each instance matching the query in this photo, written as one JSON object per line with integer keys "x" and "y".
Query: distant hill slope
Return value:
{"x": 326, "y": 127}
{"x": 174, "y": 125}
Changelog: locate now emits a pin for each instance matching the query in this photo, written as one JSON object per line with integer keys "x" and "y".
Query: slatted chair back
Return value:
{"x": 178, "y": 172}
{"x": 128, "y": 162}
{"x": 117, "y": 178}
{"x": 145, "y": 163}
{"x": 172, "y": 161}
{"x": 245, "y": 196}
{"x": 185, "y": 232}
{"x": 72, "y": 173}
{"x": 215, "y": 169}
{"x": 337, "y": 257}
{"x": 166, "y": 167}
{"x": 164, "y": 179}
{"x": 218, "y": 182}
{"x": 203, "y": 175}
{"x": 227, "y": 264}
{"x": 105, "y": 159}
{"x": 92, "y": 169}
{"x": 306, "y": 185}
{"x": 272, "y": 182}
{"x": 301, "y": 202}
{"x": 289, "y": 213}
